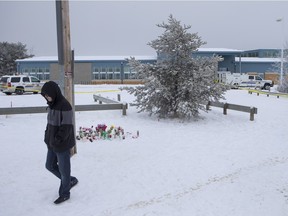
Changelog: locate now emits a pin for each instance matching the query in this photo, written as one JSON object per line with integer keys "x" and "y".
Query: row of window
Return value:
{"x": 111, "y": 69}
{"x": 106, "y": 69}
{"x": 39, "y": 75}
{"x": 250, "y": 54}
{"x": 112, "y": 75}
{"x": 264, "y": 54}
{"x": 103, "y": 73}
{"x": 97, "y": 74}
{"x": 35, "y": 70}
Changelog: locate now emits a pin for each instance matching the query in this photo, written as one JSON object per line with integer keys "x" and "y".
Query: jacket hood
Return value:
{"x": 51, "y": 89}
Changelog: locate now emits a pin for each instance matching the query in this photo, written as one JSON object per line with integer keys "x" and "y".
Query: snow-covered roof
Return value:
{"x": 256, "y": 59}
{"x": 219, "y": 50}
{"x": 87, "y": 58}
{"x": 107, "y": 58}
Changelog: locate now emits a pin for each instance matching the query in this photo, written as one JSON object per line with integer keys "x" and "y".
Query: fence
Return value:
{"x": 268, "y": 93}
{"x": 111, "y": 105}
{"x": 42, "y": 109}
{"x": 226, "y": 106}
{"x": 114, "y": 105}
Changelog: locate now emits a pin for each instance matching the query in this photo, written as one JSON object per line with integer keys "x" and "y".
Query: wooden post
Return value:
{"x": 225, "y": 107}
{"x": 208, "y": 105}
{"x": 124, "y": 107}
{"x": 60, "y": 45}
{"x": 64, "y": 49}
{"x": 252, "y": 112}
{"x": 67, "y": 51}
{"x": 118, "y": 97}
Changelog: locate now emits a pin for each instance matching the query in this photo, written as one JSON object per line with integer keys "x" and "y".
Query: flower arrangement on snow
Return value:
{"x": 102, "y": 132}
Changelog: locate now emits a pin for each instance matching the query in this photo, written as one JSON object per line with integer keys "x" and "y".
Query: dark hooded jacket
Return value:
{"x": 59, "y": 133}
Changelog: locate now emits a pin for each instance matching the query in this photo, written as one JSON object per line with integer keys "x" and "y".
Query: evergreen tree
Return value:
{"x": 9, "y": 53}
{"x": 178, "y": 84}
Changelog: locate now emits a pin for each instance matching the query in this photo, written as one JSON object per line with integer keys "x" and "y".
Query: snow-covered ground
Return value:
{"x": 219, "y": 165}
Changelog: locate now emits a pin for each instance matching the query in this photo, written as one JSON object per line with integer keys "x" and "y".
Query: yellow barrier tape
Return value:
{"x": 268, "y": 93}
{"x": 98, "y": 91}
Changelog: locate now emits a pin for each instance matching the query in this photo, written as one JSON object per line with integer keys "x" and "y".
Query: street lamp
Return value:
{"x": 282, "y": 53}
{"x": 122, "y": 73}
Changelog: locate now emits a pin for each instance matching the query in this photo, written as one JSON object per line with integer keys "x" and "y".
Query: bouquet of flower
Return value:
{"x": 102, "y": 132}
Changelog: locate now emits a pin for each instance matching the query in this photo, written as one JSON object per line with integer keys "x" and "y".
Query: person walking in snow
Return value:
{"x": 59, "y": 138}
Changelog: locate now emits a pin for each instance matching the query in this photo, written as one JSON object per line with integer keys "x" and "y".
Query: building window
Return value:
{"x": 96, "y": 75}
{"x": 133, "y": 75}
{"x": 40, "y": 73}
{"x": 46, "y": 76}
{"x": 126, "y": 75}
{"x": 117, "y": 75}
{"x": 110, "y": 75}
{"x": 103, "y": 75}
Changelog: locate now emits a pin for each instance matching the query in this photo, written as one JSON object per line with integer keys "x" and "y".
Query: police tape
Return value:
{"x": 98, "y": 91}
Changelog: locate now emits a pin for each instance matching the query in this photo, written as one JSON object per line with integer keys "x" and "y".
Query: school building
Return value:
{"x": 115, "y": 69}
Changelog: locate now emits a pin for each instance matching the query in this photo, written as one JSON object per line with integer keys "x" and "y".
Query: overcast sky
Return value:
{"x": 101, "y": 28}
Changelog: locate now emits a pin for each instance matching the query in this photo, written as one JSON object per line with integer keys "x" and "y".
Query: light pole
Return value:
{"x": 122, "y": 72}
{"x": 281, "y": 66}
{"x": 282, "y": 52}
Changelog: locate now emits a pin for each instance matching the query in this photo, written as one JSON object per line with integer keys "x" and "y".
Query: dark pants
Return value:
{"x": 58, "y": 163}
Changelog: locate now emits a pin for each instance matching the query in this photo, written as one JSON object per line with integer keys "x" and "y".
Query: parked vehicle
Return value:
{"x": 20, "y": 84}
{"x": 236, "y": 80}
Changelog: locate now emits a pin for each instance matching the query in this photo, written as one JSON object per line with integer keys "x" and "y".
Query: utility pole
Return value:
{"x": 282, "y": 51}
{"x": 65, "y": 53}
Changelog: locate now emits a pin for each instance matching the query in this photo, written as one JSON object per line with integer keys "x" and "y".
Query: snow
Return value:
{"x": 257, "y": 59}
{"x": 219, "y": 165}
{"x": 107, "y": 58}
{"x": 87, "y": 58}
{"x": 219, "y": 50}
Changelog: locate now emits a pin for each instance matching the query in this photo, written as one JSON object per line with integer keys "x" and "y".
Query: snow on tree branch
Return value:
{"x": 178, "y": 83}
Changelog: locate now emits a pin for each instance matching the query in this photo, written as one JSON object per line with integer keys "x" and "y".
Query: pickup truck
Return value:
{"x": 20, "y": 84}
{"x": 255, "y": 81}
{"x": 236, "y": 80}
